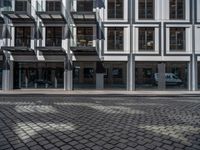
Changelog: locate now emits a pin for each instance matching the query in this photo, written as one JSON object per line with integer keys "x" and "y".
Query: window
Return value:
{"x": 177, "y": 9}
{"x": 117, "y": 72}
{"x": 85, "y": 5}
{"x": 115, "y": 38}
{"x": 146, "y": 9}
{"x": 53, "y": 36}
{"x": 21, "y": 5}
{"x": 177, "y": 39}
{"x": 53, "y": 6}
{"x": 146, "y": 39}
{"x": 88, "y": 72}
{"x": 85, "y": 36}
{"x": 22, "y": 36}
{"x": 115, "y": 9}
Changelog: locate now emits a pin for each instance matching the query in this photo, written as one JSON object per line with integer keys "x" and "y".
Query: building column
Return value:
{"x": 68, "y": 75}
{"x": 193, "y": 69}
{"x": 161, "y": 76}
{"x": 100, "y": 71}
{"x": 131, "y": 73}
{"x": 7, "y": 73}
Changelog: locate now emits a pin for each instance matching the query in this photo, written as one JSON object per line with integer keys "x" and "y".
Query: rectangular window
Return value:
{"x": 115, "y": 9}
{"x": 85, "y": 36}
{"x": 115, "y": 39}
{"x": 85, "y": 5}
{"x": 177, "y": 9}
{"x": 53, "y": 36}
{"x": 21, "y": 6}
{"x": 53, "y": 6}
{"x": 22, "y": 36}
{"x": 146, "y": 9}
{"x": 146, "y": 39}
{"x": 177, "y": 39}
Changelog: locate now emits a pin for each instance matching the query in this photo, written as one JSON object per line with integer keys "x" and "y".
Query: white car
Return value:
{"x": 170, "y": 79}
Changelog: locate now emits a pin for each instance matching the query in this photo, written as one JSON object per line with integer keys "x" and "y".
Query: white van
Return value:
{"x": 170, "y": 78}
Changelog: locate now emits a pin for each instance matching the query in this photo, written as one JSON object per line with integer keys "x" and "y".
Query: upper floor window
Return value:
{"x": 85, "y": 36}
{"x": 22, "y": 36}
{"x": 53, "y": 6}
{"x": 146, "y": 39}
{"x": 177, "y": 39}
{"x": 177, "y": 9}
{"x": 53, "y": 36}
{"x": 115, "y": 38}
{"x": 146, "y": 9}
{"x": 84, "y": 5}
{"x": 20, "y": 5}
{"x": 115, "y": 9}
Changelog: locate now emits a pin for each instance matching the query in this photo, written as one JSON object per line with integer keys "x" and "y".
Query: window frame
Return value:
{"x": 115, "y": 11}
{"x": 146, "y": 10}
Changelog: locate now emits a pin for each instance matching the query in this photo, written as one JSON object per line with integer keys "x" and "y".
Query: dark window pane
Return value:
{"x": 21, "y": 6}
{"x": 22, "y": 36}
{"x": 85, "y": 5}
{"x": 53, "y": 6}
{"x": 146, "y": 9}
{"x": 146, "y": 39}
{"x": 177, "y": 39}
{"x": 115, "y": 38}
{"x": 177, "y": 9}
{"x": 53, "y": 36}
{"x": 115, "y": 9}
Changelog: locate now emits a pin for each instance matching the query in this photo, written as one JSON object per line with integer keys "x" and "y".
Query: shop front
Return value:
{"x": 38, "y": 75}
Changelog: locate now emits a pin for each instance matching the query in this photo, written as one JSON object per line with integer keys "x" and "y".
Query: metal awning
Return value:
{"x": 84, "y": 17}
{"x": 18, "y": 50}
{"x": 52, "y": 50}
{"x": 86, "y": 51}
{"x": 19, "y": 17}
{"x": 51, "y": 17}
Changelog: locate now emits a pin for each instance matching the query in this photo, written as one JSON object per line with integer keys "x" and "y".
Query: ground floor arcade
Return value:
{"x": 87, "y": 75}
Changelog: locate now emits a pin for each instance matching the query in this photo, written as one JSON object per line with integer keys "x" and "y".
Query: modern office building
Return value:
{"x": 100, "y": 44}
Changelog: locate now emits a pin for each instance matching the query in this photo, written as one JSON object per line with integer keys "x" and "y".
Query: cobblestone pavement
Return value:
{"x": 99, "y": 123}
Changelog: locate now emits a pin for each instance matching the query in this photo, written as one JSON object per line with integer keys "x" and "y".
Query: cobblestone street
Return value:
{"x": 37, "y": 122}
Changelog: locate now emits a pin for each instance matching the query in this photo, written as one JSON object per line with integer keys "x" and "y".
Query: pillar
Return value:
{"x": 100, "y": 71}
{"x": 7, "y": 73}
{"x": 131, "y": 73}
{"x": 68, "y": 74}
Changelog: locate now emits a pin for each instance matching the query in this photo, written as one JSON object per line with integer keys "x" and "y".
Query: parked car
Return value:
{"x": 170, "y": 78}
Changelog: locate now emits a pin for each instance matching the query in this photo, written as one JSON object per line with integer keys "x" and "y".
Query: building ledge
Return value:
{"x": 82, "y": 50}
{"x": 19, "y": 50}
{"x": 52, "y": 50}
{"x": 84, "y": 17}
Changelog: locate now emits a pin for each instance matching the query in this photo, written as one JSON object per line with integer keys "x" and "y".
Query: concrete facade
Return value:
{"x": 128, "y": 57}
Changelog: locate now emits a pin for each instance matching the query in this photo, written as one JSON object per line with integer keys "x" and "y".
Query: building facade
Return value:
{"x": 100, "y": 44}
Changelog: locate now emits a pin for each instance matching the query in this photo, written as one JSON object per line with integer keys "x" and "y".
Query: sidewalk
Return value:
{"x": 100, "y": 92}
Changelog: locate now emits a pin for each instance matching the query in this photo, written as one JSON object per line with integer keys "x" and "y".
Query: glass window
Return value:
{"x": 146, "y": 39}
{"x": 22, "y": 36}
{"x": 177, "y": 9}
{"x": 53, "y": 6}
{"x": 115, "y": 9}
{"x": 115, "y": 38}
{"x": 146, "y": 9}
{"x": 88, "y": 72}
{"x": 85, "y": 5}
{"x": 21, "y": 6}
{"x": 84, "y": 36}
{"x": 177, "y": 39}
{"x": 53, "y": 36}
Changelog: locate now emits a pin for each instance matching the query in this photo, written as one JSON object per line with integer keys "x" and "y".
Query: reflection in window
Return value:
{"x": 85, "y": 5}
{"x": 53, "y": 6}
{"x": 146, "y": 9}
{"x": 177, "y": 39}
{"x": 21, "y": 6}
{"x": 53, "y": 36}
{"x": 88, "y": 72}
{"x": 115, "y": 9}
{"x": 115, "y": 38}
{"x": 85, "y": 36}
{"x": 177, "y": 9}
{"x": 22, "y": 36}
{"x": 146, "y": 39}
{"x": 117, "y": 72}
